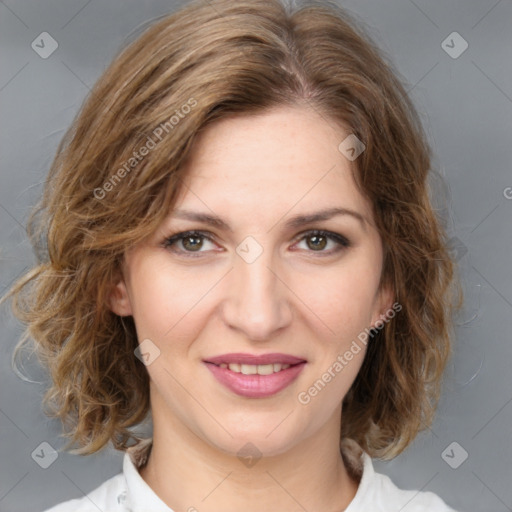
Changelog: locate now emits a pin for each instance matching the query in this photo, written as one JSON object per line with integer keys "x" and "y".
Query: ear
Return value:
{"x": 119, "y": 300}
{"x": 383, "y": 304}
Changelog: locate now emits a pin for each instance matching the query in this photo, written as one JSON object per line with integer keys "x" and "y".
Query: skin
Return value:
{"x": 255, "y": 172}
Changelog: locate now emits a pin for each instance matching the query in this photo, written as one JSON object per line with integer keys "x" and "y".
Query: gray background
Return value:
{"x": 466, "y": 105}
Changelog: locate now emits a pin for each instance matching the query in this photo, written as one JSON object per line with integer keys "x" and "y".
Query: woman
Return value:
{"x": 240, "y": 245}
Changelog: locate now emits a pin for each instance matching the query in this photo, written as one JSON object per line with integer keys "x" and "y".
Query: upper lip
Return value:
{"x": 255, "y": 359}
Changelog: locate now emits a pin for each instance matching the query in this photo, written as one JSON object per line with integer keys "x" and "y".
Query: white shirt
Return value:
{"x": 128, "y": 492}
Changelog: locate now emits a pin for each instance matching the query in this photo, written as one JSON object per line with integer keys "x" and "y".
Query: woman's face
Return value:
{"x": 255, "y": 289}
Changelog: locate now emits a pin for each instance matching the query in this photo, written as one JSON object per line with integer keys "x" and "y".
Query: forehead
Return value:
{"x": 277, "y": 159}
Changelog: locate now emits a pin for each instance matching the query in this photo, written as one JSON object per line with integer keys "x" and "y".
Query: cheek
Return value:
{"x": 168, "y": 302}
{"x": 341, "y": 298}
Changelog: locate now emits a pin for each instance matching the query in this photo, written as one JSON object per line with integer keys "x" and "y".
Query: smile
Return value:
{"x": 252, "y": 369}
{"x": 253, "y": 376}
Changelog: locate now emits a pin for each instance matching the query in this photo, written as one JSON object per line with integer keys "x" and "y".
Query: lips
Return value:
{"x": 255, "y": 376}
{"x": 254, "y": 359}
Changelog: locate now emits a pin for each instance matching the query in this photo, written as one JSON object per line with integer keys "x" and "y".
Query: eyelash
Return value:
{"x": 343, "y": 243}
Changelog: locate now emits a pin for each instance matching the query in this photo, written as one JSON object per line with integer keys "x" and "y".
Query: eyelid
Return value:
{"x": 342, "y": 241}
{"x": 331, "y": 235}
{"x": 179, "y": 235}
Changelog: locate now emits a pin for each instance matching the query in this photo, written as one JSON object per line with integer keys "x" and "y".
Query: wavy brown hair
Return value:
{"x": 205, "y": 62}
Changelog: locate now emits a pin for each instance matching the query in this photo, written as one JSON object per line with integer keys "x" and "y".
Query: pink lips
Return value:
{"x": 255, "y": 386}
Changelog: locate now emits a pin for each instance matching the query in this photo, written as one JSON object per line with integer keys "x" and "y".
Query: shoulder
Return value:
{"x": 387, "y": 494}
{"x": 110, "y": 495}
{"x": 378, "y": 493}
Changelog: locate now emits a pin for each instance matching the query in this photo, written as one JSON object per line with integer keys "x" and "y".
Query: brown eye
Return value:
{"x": 316, "y": 242}
{"x": 188, "y": 242}
{"x": 192, "y": 242}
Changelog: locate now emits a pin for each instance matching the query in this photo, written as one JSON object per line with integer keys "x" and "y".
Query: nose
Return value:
{"x": 257, "y": 301}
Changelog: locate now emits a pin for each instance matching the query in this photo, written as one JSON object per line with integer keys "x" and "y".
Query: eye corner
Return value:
{"x": 341, "y": 241}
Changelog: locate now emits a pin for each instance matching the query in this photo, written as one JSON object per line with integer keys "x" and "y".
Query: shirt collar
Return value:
{"x": 366, "y": 490}
{"x": 141, "y": 498}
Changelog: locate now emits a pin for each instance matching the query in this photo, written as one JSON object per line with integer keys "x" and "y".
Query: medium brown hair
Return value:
{"x": 205, "y": 62}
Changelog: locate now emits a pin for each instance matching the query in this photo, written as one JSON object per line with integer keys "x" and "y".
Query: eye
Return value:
{"x": 187, "y": 242}
{"x": 317, "y": 240}
{"x": 190, "y": 242}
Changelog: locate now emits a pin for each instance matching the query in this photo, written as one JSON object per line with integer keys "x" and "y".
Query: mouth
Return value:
{"x": 254, "y": 376}
{"x": 255, "y": 369}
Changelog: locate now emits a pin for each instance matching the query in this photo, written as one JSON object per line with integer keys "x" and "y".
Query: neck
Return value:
{"x": 189, "y": 474}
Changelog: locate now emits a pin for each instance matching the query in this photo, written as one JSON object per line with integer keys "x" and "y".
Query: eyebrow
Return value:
{"x": 293, "y": 222}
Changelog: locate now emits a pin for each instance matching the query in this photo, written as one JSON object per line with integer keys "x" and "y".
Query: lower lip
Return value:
{"x": 255, "y": 386}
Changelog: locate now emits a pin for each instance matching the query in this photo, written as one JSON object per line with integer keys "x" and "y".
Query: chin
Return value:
{"x": 267, "y": 438}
